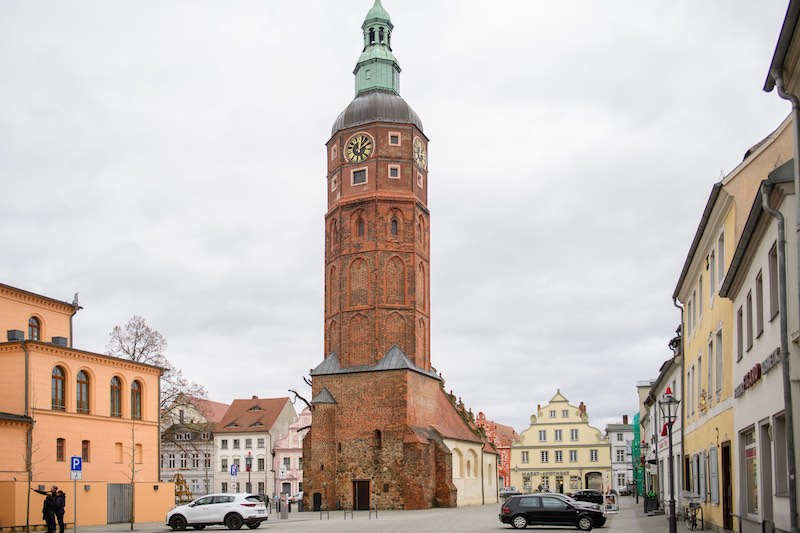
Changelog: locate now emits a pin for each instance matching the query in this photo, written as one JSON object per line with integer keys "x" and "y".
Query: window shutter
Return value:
{"x": 713, "y": 474}
{"x": 702, "y": 472}
{"x": 695, "y": 482}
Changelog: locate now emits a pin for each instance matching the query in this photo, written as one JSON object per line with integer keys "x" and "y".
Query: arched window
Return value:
{"x": 34, "y": 329}
{"x": 58, "y": 389}
{"x": 136, "y": 400}
{"x": 394, "y": 226}
{"x": 380, "y": 35}
{"x": 378, "y": 439}
{"x": 372, "y": 36}
{"x": 116, "y": 396}
{"x": 360, "y": 227}
{"x": 82, "y": 392}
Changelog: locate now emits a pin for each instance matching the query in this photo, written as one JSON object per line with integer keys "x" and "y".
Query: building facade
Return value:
{"x": 384, "y": 433}
{"x": 187, "y": 445}
{"x": 59, "y": 402}
{"x": 244, "y": 444}
{"x": 289, "y": 454}
{"x": 708, "y": 326}
{"x": 501, "y": 437}
{"x": 620, "y": 437}
{"x": 752, "y": 283}
{"x": 560, "y": 451}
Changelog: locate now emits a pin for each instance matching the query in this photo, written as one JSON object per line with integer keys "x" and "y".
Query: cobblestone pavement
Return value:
{"x": 630, "y": 519}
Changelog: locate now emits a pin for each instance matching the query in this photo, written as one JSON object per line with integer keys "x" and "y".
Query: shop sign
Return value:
{"x": 759, "y": 369}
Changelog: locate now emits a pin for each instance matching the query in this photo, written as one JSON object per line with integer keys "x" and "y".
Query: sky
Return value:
{"x": 167, "y": 159}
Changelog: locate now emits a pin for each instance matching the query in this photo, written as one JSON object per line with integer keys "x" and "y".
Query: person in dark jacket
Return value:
{"x": 61, "y": 503}
{"x": 49, "y": 508}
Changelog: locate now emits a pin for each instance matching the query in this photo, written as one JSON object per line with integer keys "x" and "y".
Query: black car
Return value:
{"x": 588, "y": 495}
{"x": 546, "y": 509}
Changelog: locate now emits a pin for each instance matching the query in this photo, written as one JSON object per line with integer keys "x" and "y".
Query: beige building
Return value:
{"x": 708, "y": 331}
{"x": 560, "y": 451}
{"x": 59, "y": 403}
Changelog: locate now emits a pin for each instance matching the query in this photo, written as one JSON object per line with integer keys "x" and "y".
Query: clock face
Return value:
{"x": 359, "y": 148}
{"x": 419, "y": 153}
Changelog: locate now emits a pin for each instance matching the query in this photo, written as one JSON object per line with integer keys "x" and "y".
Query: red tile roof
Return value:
{"x": 213, "y": 411}
{"x": 450, "y": 424}
{"x": 251, "y": 416}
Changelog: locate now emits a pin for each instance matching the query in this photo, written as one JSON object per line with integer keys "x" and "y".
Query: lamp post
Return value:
{"x": 669, "y": 410}
{"x": 248, "y": 464}
{"x": 643, "y": 446}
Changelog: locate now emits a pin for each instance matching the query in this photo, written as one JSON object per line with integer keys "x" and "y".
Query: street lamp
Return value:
{"x": 248, "y": 464}
{"x": 643, "y": 462}
{"x": 669, "y": 411}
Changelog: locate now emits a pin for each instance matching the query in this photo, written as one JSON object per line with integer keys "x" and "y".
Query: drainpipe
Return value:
{"x": 782, "y": 309}
{"x": 683, "y": 403}
{"x": 28, "y": 434}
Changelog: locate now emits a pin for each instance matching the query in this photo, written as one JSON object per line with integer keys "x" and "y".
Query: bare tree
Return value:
{"x": 139, "y": 342}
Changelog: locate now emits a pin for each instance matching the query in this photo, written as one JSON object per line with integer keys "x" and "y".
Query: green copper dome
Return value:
{"x": 377, "y": 76}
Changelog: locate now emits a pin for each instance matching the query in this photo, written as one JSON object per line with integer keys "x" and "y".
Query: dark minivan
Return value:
{"x": 546, "y": 509}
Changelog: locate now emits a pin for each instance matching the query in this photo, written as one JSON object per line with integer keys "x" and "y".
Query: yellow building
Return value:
{"x": 560, "y": 451}
{"x": 59, "y": 403}
{"x": 707, "y": 323}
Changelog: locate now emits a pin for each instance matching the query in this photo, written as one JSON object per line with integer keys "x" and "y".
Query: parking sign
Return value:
{"x": 76, "y": 464}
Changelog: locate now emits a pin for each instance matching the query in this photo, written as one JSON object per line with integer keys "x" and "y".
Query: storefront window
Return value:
{"x": 751, "y": 471}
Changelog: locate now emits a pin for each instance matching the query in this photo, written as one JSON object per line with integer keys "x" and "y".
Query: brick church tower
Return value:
{"x": 380, "y": 413}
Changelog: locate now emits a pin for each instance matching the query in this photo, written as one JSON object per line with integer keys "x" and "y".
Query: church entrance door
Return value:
{"x": 360, "y": 495}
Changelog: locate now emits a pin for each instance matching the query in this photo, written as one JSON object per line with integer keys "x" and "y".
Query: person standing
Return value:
{"x": 49, "y": 508}
{"x": 61, "y": 503}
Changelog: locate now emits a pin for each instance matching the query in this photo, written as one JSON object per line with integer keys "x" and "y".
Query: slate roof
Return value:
{"x": 394, "y": 359}
{"x": 324, "y": 396}
{"x": 253, "y": 415}
{"x": 376, "y": 106}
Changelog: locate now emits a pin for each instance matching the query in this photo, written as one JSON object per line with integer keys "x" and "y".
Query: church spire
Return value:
{"x": 377, "y": 68}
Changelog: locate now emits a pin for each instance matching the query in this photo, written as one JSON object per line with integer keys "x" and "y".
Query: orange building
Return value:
{"x": 59, "y": 403}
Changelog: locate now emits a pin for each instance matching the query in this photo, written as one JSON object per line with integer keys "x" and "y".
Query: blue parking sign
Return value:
{"x": 76, "y": 463}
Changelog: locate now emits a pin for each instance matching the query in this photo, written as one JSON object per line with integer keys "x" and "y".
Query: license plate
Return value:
{"x": 262, "y": 511}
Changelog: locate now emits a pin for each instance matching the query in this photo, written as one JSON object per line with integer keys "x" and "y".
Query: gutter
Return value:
{"x": 784, "y": 41}
{"x": 784, "y": 321}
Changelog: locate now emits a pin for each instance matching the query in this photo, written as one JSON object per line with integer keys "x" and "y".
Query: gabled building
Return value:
{"x": 560, "y": 451}
{"x": 187, "y": 445}
{"x": 60, "y": 402}
{"x": 502, "y": 438}
{"x": 759, "y": 412}
{"x": 246, "y": 435}
{"x": 708, "y": 330}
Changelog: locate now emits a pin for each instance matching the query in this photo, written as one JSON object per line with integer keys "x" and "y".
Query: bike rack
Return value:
{"x": 375, "y": 508}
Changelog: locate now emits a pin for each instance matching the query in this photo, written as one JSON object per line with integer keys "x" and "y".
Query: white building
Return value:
{"x": 620, "y": 437}
{"x": 187, "y": 444}
{"x": 247, "y": 435}
{"x": 760, "y": 450}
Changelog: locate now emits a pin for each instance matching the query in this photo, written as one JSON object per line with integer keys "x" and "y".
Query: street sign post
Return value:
{"x": 75, "y": 473}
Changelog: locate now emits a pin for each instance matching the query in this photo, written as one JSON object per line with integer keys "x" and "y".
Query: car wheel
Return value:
{"x": 177, "y": 523}
{"x": 519, "y": 522}
{"x": 234, "y": 521}
{"x": 585, "y": 523}
{"x": 254, "y": 526}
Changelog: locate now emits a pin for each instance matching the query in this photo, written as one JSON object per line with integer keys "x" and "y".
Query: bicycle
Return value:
{"x": 690, "y": 515}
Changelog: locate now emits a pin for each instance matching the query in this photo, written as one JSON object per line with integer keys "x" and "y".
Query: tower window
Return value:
{"x": 334, "y": 151}
{"x": 359, "y": 176}
{"x": 394, "y": 138}
{"x": 334, "y": 183}
{"x": 360, "y": 227}
{"x": 394, "y": 226}
{"x": 367, "y": 74}
{"x": 394, "y": 172}
{"x": 419, "y": 180}
{"x": 372, "y": 36}
{"x": 380, "y": 35}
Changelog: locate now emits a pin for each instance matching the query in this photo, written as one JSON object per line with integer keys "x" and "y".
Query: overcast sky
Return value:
{"x": 167, "y": 159}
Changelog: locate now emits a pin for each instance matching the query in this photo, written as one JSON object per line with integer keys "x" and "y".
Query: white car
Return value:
{"x": 231, "y": 510}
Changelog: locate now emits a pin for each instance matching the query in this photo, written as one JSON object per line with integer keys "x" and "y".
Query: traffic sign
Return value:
{"x": 76, "y": 464}
{"x": 76, "y": 475}
{"x": 234, "y": 470}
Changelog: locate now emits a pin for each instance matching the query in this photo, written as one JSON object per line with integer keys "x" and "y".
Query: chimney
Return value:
{"x": 60, "y": 341}
{"x": 255, "y": 397}
{"x": 625, "y": 419}
{"x": 15, "y": 335}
